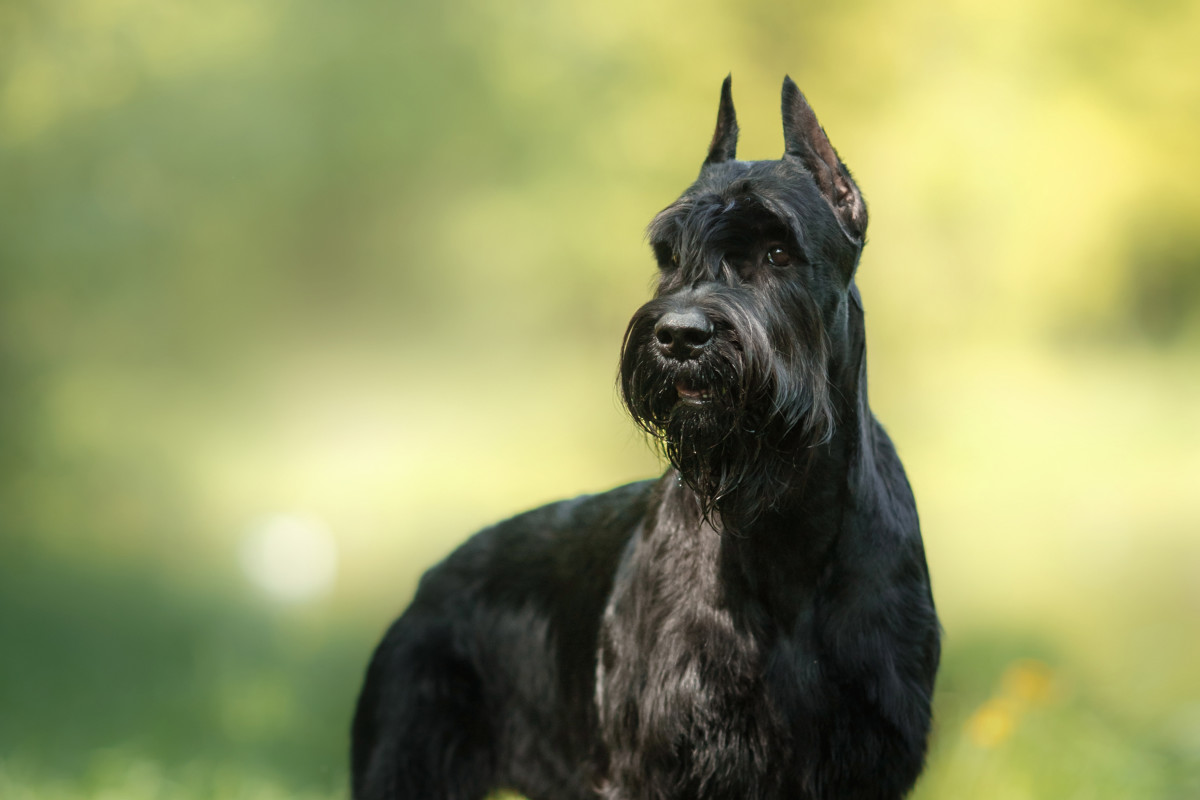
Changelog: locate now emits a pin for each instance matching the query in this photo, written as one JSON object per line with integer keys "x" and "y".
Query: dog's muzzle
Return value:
{"x": 683, "y": 336}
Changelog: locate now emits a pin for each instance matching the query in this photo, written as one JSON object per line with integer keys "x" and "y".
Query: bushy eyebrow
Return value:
{"x": 690, "y": 223}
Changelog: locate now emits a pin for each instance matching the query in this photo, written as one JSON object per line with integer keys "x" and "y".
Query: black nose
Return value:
{"x": 683, "y": 334}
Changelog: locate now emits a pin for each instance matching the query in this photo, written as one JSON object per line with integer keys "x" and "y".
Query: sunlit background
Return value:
{"x": 295, "y": 295}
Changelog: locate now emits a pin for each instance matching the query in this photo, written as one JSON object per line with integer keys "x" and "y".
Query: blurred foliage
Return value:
{"x": 371, "y": 263}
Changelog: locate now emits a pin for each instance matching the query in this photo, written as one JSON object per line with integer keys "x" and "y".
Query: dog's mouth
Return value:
{"x": 690, "y": 393}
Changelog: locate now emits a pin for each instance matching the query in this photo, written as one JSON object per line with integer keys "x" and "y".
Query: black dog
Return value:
{"x": 755, "y": 624}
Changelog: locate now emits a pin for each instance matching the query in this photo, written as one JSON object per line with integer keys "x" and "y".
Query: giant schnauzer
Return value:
{"x": 757, "y": 623}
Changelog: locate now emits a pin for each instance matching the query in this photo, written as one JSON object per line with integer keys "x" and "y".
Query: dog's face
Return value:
{"x": 729, "y": 365}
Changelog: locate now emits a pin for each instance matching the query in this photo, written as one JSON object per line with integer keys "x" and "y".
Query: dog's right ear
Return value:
{"x": 724, "y": 141}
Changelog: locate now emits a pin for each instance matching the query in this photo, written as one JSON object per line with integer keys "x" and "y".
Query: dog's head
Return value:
{"x": 730, "y": 367}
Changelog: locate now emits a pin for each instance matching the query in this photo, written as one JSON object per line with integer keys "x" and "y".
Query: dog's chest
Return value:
{"x": 684, "y": 690}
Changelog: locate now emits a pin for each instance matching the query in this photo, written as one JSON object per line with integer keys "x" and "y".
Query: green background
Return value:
{"x": 371, "y": 262}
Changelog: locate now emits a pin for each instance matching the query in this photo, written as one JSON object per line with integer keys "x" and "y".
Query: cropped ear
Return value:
{"x": 805, "y": 140}
{"x": 724, "y": 141}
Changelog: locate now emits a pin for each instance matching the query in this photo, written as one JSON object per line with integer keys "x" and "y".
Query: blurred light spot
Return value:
{"x": 1029, "y": 682}
{"x": 1026, "y": 683}
{"x": 290, "y": 556}
{"x": 992, "y": 723}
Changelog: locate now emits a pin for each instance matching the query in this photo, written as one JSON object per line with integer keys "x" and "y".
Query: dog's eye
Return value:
{"x": 779, "y": 257}
{"x": 668, "y": 257}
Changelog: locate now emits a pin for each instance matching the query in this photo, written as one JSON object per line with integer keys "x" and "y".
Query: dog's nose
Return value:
{"x": 683, "y": 334}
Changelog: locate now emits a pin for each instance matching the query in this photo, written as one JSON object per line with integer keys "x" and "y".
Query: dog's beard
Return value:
{"x": 739, "y": 422}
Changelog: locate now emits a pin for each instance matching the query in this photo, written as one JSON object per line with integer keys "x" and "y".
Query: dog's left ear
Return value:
{"x": 806, "y": 141}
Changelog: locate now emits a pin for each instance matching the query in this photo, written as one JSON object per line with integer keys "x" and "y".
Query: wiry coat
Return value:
{"x": 757, "y": 623}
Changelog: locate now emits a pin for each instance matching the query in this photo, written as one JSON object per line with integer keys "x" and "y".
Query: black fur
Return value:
{"x": 757, "y": 623}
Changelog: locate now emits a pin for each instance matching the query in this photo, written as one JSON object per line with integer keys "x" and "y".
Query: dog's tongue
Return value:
{"x": 687, "y": 392}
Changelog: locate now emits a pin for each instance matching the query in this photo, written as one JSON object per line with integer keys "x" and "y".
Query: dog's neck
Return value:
{"x": 779, "y": 555}
{"x": 819, "y": 473}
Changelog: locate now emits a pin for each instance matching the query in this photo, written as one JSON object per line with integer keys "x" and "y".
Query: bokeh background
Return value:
{"x": 294, "y": 295}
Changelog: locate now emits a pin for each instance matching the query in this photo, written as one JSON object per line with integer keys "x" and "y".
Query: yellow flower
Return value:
{"x": 1028, "y": 681}
{"x": 992, "y": 723}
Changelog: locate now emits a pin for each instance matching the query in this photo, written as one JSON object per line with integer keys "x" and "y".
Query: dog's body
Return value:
{"x": 757, "y": 623}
